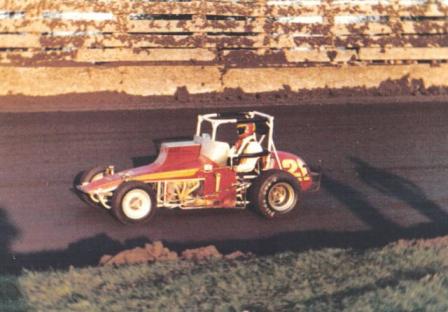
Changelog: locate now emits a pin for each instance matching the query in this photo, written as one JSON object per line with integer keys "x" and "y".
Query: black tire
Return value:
{"x": 122, "y": 205}
{"x": 262, "y": 198}
{"x": 87, "y": 177}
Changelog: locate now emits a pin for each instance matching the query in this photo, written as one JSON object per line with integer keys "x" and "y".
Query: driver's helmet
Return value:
{"x": 245, "y": 129}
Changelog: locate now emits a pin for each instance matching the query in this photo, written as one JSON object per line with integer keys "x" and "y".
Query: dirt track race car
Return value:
{"x": 207, "y": 173}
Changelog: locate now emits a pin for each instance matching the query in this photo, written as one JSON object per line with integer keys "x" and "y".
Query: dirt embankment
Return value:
{"x": 407, "y": 89}
{"x": 437, "y": 243}
{"x": 158, "y": 252}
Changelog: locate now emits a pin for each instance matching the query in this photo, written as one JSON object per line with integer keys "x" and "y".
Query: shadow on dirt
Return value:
{"x": 11, "y": 297}
{"x": 143, "y": 160}
{"x": 81, "y": 253}
{"x": 87, "y": 252}
{"x": 359, "y": 205}
{"x": 393, "y": 185}
{"x": 146, "y": 160}
{"x": 8, "y": 233}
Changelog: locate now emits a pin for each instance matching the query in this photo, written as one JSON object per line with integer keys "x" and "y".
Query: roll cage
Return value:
{"x": 264, "y": 127}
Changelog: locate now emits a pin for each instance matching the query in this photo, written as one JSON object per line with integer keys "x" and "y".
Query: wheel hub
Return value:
{"x": 281, "y": 196}
{"x": 278, "y": 195}
{"x": 136, "y": 204}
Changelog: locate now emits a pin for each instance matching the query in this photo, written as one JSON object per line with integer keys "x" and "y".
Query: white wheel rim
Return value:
{"x": 136, "y": 204}
{"x": 281, "y": 196}
{"x": 96, "y": 177}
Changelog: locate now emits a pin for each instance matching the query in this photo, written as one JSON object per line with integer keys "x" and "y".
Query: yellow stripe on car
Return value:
{"x": 184, "y": 173}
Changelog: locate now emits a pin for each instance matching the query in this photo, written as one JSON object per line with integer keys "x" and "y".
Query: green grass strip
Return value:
{"x": 389, "y": 279}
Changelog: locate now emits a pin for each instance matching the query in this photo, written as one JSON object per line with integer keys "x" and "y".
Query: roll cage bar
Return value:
{"x": 218, "y": 119}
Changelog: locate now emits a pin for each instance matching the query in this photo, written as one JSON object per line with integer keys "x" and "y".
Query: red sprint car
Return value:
{"x": 207, "y": 173}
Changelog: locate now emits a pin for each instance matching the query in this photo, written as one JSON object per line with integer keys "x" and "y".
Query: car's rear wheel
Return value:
{"x": 89, "y": 176}
{"x": 134, "y": 202}
{"x": 274, "y": 193}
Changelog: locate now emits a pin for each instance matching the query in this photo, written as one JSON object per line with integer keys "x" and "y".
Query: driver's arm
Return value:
{"x": 234, "y": 152}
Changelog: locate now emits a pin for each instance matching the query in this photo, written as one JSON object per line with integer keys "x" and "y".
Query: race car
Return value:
{"x": 206, "y": 173}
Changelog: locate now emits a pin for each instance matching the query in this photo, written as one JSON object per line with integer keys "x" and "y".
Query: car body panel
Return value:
{"x": 177, "y": 162}
{"x": 173, "y": 162}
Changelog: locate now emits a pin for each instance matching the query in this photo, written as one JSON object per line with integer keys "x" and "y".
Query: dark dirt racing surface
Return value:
{"x": 386, "y": 170}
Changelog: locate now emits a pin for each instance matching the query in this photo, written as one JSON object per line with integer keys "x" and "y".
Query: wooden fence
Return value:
{"x": 234, "y": 33}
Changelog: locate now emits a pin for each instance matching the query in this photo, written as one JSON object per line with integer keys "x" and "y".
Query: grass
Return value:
{"x": 393, "y": 278}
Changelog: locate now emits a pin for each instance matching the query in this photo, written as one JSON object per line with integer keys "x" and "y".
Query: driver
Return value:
{"x": 246, "y": 144}
{"x": 246, "y": 134}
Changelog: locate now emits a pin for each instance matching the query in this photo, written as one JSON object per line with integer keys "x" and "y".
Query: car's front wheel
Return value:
{"x": 134, "y": 202}
{"x": 274, "y": 193}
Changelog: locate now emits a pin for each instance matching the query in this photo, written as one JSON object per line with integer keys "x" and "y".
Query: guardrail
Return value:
{"x": 250, "y": 33}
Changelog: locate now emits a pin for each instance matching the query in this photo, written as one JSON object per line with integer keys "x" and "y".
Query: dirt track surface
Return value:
{"x": 385, "y": 178}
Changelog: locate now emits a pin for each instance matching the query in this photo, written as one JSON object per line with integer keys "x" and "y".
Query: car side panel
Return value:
{"x": 219, "y": 187}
